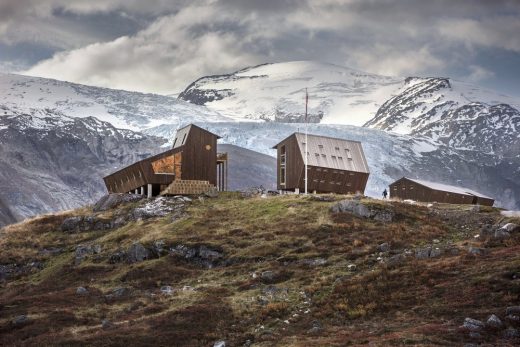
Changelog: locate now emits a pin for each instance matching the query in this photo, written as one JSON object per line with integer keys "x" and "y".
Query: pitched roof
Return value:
{"x": 333, "y": 153}
{"x": 182, "y": 134}
{"x": 448, "y": 188}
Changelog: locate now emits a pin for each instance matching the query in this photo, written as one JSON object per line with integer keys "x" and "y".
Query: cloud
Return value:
{"x": 183, "y": 40}
{"x": 478, "y": 73}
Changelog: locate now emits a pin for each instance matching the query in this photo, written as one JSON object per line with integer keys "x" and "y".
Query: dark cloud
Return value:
{"x": 161, "y": 45}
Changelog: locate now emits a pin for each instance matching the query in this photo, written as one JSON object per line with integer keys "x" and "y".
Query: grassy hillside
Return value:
{"x": 275, "y": 271}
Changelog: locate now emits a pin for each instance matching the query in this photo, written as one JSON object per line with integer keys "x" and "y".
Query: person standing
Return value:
{"x": 385, "y": 194}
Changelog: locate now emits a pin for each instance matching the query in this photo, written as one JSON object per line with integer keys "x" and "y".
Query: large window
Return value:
{"x": 283, "y": 160}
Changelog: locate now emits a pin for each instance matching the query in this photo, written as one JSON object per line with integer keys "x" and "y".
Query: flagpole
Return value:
{"x": 306, "y": 131}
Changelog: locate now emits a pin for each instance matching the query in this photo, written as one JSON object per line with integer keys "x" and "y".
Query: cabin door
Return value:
{"x": 475, "y": 200}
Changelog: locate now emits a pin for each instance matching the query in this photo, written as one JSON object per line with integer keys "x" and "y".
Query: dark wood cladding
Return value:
{"x": 197, "y": 156}
{"x": 405, "y": 188}
{"x": 321, "y": 179}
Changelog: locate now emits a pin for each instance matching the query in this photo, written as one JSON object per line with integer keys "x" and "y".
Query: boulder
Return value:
{"x": 511, "y": 333}
{"x": 476, "y": 250}
{"x": 352, "y": 267}
{"x": 168, "y": 290}
{"x": 314, "y": 262}
{"x": 513, "y": 310}
{"x": 81, "y": 252}
{"x": 435, "y": 252}
{"x": 423, "y": 253}
{"x": 511, "y": 227}
{"x": 71, "y": 224}
{"x": 20, "y": 320}
{"x": 220, "y": 344}
{"x": 212, "y": 193}
{"x": 267, "y": 276}
{"x": 117, "y": 257}
{"x": 111, "y": 201}
{"x": 513, "y": 318}
{"x": 473, "y": 324}
{"x": 494, "y": 322}
{"x": 316, "y": 328}
{"x": 361, "y": 210}
{"x": 202, "y": 255}
{"x": 324, "y": 198}
{"x": 81, "y": 291}
{"x": 106, "y": 324}
{"x": 396, "y": 260}
{"x": 501, "y": 234}
{"x": 158, "y": 249}
{"x": 137, "y": 253}
{"x": 384, "y": 247}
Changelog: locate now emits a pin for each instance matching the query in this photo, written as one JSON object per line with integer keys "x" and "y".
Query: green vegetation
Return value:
{"x": 290, "y": 273}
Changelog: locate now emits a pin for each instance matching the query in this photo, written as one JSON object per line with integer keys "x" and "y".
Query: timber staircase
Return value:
{"x": 188, "y": 187}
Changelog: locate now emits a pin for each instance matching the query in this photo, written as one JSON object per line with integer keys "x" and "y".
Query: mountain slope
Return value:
{"x": 123, "y": 109}
{"x": 277, "y": 92}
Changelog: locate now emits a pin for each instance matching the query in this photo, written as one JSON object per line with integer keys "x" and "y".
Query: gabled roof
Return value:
{"x": 448, "y": 188}
{"x": 183, "y": 133}
{"x": 332, "y": 153}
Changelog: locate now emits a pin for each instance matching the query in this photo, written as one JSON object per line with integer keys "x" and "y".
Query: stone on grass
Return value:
{"x": 396, "y": 260}
{"x": 513, "y": 310}
{"x": 502, "y": 234}
{"x": 351, "y": 267}
{"x": 511, "y": 227}
{"x": 473, "y": 324}
{"x": 494, "y": 322}
{"x": 511, "y": 333}
{"x": 267, "y": 275}
{"x": 476, "y": 250}
{"x": 435, "y": 252}
{"x": 106, "y": 324}
{"x": 384, "y": 247}
{"x": 316, "y": 328}
{"x": 137, "y": 253}
{"x": 81, "y": 291}
{"x": 423, "y": 253}
{"x": 220, "y": 344}
{"x": 21, "y": 319}
{"x": 168, "y": 290}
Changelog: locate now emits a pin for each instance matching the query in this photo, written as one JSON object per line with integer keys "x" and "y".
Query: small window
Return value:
{"x": 318, "y": 169}
{"x": 317, "y": 154}
{"x": 282, "y": 175}
{"x": 174, "y": 142}
{"x": 282, "y": 150}
{"x": 349, "y": 184}
{"x": 323, "y": 156}
{"x": 332, "y": 182}
{"x": 347, "y": 152}
{"x": 320, "y": 146}
{"x": 184, "y": 138}
{"x": 333, "y": 156}
{"x": 325, "y": 170}
{"x": 340, "y": 158}
{"x": 337, "y": 148}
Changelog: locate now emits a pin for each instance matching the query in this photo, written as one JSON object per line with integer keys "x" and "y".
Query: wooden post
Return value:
{"x": 142, "y": 190}
{"x": 149, "y": 191}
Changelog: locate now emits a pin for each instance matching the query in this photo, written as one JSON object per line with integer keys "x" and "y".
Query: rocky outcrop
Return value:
{"x": 200, "y": 255}
{"x": 362, "y": 210}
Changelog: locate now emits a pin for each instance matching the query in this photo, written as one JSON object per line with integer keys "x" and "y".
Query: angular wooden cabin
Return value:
{"x": 419, "y": 190}
{"x": 191, "y": 166}
{"x": 334, "y": 165}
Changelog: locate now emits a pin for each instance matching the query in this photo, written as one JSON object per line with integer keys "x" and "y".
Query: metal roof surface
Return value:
{"x": 448, "y": 188}
{"x": 333, "y": 153}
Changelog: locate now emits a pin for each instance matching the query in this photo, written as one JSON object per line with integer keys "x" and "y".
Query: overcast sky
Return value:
{"x": 161, "y": 46}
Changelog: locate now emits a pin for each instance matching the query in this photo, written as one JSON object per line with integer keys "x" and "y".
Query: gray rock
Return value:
{"x": 473, "y": 324}
{"x": 117, "y": 257}
{"x": 314, "y": 262}
{"x": 316, "y": 328}
{"x": 168, "y": 290}
{"x": 383, "y": 216}
{"x": 201, "y": 255}
{"x": 137, "y": 253}
{"x": 81, "y": 291}
{"x": 475, "y": 335}
{"x": 352, "y": 267}
{"x": 118, "y": 293}
{"x": 111, "y": 201}
{"x": 324, "y": 198}
{"x": 513, "y": 310}
{"x": 20, "y": 320}
{"x": 423, "y": 253}
{"x": 71, "y": 224}
{"x": 212, "y": 193}
{"x": 396, "y": 260}
{"x": 511, "y": 227}
{"x": 435, "y": 252}
{"x": 501, "y": 234}
{"x": 486, "y": 230}
{"x": 513, "y": 318}
{"x": 352, "y": 206}
{"x": 248, "y": 343}
{"x": 267, "y": 275}
{"x": 475, "y": 208}
{"x": 219, "y": 344}
{"x": 494, "y": 322}
{"x": 384, "y": 247}
{"x": 106, "y": 324}
{"x": 81, "y": 252}
{"x": 158, "y": 248}
{"x": 511, "y": 333}
{"x": 476, "y": 250}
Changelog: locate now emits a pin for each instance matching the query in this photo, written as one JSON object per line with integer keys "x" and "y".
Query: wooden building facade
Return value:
{"x": 193, "y": 158}
{"x": 419, "y": 190}
{"x": 334, "y": 165}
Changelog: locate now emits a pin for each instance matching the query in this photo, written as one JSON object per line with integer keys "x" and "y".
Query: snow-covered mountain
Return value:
{"x": 58, "y": 139}
{"x": 125, "y": 110}
{"x": 276, "y": 92}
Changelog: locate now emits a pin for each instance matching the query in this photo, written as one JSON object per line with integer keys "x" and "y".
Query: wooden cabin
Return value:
{"x": 419, "y": 190}
{"x": 191, "y": 166}
{"x": 334, "y": 165}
